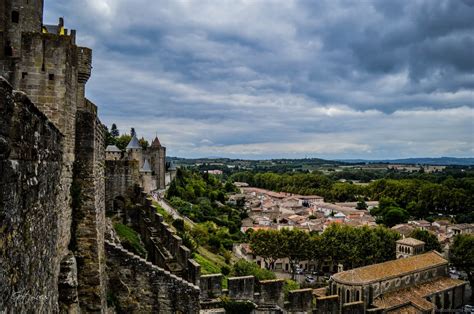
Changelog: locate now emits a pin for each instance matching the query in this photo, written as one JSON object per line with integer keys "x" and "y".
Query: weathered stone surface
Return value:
{"x": 300, "y": 300}
{"x": 68, "y": 298}
{"x": 271, "y": 292}
{"x": 137, "y": 286}
{"x": 89, "y": 209}
{"x": 241, "y": 288}
{"x": 211, "y": 286}
{"x": 30, "y": 168}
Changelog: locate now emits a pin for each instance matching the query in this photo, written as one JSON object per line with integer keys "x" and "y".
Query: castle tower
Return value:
{"x": 409, "y": 246}
{"x": 172, "y": 170}
{"x": 146, "y": 177}
{"x": 18, "y": 17}
{"x": 134, "y": 151}
{"x": 158, "y": 162}
{"x": 44, "y": 62}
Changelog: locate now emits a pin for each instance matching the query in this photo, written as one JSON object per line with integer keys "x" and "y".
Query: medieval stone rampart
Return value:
{"x": 89, "y": 209}
{"x": 30, "y": 167}
{"x": 138, "y": 286}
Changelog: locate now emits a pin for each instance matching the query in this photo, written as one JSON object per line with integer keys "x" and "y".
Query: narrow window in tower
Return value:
{"x": 15, "y": 17}
{"x": 8, "y": 49}
{"x": 24, "y": 75}
{"x": 51, "y": 77}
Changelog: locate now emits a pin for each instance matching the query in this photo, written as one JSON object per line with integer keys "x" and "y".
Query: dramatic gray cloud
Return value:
{"x": 259, "y": 79}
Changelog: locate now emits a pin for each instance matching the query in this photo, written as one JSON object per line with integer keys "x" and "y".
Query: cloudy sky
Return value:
{"x": 281, "y": 78}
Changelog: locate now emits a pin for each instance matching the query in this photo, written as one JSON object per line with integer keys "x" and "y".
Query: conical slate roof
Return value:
{"x": 113, "y": 148}
{"x": 133, "y": 144}
{"x": 146, "y": 166}
{"x": 172, "y": 166}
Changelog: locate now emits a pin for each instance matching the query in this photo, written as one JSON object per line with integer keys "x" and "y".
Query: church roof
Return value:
{"x": 113, "y": 148}
{"x": 416, "y": 295}
{"x": 146, "y": 166}
{"x": 133, "y": 143}
{"x": 156, "y": 142}
{"x": 394, "y": 268}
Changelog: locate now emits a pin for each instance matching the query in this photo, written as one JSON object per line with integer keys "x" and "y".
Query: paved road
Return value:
{"x": 170, "y": 210}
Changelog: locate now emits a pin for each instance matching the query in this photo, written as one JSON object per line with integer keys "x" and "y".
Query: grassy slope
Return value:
{"x": 130, "y": 237}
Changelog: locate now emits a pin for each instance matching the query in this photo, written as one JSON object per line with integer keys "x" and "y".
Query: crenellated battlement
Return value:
{"x": 158, "y": 290}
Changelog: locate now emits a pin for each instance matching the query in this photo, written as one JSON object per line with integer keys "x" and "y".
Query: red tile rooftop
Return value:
{"x": 394, "y": 268}
{"x": 416, "y": 295}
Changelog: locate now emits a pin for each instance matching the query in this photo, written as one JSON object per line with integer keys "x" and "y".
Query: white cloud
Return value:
{"x": 283, "y": 78}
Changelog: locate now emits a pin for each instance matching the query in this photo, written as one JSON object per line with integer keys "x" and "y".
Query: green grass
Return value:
{"x": 160, "y": 210}
{"x": 207, "y": 266}
{"x": 130, "y": 239}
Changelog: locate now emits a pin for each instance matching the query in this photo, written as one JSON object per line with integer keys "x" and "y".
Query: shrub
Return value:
{"x": 237, "y": 307}
{"x": 246, "y": 268}
{"x": 290, "y": 285}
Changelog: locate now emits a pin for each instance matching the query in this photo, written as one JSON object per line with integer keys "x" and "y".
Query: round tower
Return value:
{"x": 158, "y": 162}
{"x": 134, "y": 151}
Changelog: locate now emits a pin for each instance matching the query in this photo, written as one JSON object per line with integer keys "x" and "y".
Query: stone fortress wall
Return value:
{"x": 165, "y": 248}
{"x": 30, "y": 165}
{"x": 52, "y": 204}
{"x": 138, "y": 286}
{"x": 268, "y": 296}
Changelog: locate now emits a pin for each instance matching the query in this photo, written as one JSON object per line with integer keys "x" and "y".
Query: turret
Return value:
{"x": 134, "y": 150}
{"x": 158, "y": 162}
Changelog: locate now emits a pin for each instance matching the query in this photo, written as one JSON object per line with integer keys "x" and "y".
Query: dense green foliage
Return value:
{"x": 290, "y": 285}
{"x": 202, "y": 198}
{"x": 237, "y": 307}
{"x": 130, "y": 239}
{"x": 352, "y": 247}
{"x": 461, "y": 255}
{"x": 417, "y": 195}
{"x": 431, "y": 241}
{"x": 246, "y": 268}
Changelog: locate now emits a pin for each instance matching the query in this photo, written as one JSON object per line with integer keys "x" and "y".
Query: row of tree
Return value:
{"x": 338, "y": 244}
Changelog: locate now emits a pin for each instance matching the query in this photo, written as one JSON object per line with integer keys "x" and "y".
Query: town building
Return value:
{"x": 416, "y": 284}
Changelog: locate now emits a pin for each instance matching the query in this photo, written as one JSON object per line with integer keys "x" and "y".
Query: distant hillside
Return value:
{"x": 441, "y": 161}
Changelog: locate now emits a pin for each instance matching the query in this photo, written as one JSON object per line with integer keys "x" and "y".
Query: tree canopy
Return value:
{"x": 461, "y": 255}
{"x": 431, "y": 241}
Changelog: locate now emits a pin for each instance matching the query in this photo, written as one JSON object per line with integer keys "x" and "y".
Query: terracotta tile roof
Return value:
{"x": 320, "y": 292}
{"x": 390, "y": 269}
{"x": 416, "y": 295}
{"x": 407, "y": 309}
{"x": 410, "y": 241}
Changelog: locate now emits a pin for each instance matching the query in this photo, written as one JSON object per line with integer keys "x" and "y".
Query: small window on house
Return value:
{"x": 51, "y": 77}
{"x": 15, "y": 17}
{"x": 24, "y": 75}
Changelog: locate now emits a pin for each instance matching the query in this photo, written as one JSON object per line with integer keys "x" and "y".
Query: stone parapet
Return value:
{"x": 133, "y": 278}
